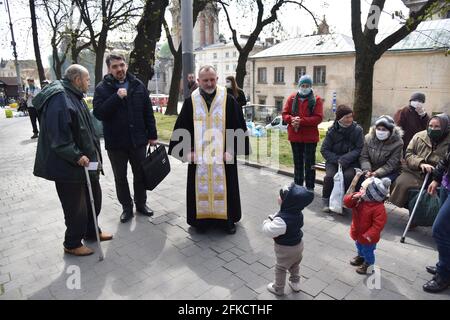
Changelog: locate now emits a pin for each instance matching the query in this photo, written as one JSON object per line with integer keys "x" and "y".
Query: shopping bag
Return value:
{"x": 426, "y": 210}
{"x": 156, "y": 167}
{"x": 337, "y": 195}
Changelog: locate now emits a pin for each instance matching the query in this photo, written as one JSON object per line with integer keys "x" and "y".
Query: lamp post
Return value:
{"x": 156, "y": 82}
{"x": 187, "y": 42}
{"x": 13, "y": 43}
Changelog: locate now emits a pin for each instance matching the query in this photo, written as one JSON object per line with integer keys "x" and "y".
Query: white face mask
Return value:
{"x": 304, "y": 91}
{"x": 416, "y": 104}
{"x": 228, "y": 85}
{"x": 382, "y": 135}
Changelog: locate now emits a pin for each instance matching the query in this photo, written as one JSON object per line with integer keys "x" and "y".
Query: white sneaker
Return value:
{"x": 326, "y": 209}
{"x": 295, "y": 286}
{"x": 271, "y": 289}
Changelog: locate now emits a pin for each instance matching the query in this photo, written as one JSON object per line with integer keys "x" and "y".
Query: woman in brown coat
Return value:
{"x": 424, "y": 152}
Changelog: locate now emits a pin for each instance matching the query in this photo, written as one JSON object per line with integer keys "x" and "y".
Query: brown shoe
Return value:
{"x": 362, "y": 269}
{"x": 104, "y": 236}
{"x": 357, "y": 261}
{"x": 80, "y": 251}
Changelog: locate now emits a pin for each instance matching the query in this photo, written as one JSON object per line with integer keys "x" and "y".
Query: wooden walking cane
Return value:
{"x": 91, "y": 196}
{"x": 355, "y": 180}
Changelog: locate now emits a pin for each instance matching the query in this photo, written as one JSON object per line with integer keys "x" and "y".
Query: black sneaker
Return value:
{"x": 34, "y": 136}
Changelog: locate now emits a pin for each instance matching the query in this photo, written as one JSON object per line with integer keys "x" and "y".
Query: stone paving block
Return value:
{"x": 227, "y": 256}
{"x": 250, "y": 258}
{"x": 338, "y": 290}
{"x": 313, "y": 286}
{"x": 191, "y": 250}
{"x": 235, "y": 266}
{"x": 198, "y": 288}
{"x": 214, "y": 263}
{"x": 322, "y": 296}
{"x": 267, "y": 261}
{"x": 258, "y": 268}
{"x": 243, "y": 293}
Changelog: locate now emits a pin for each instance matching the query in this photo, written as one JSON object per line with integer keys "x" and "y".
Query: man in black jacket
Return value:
{"x": 122, "y": 102}
{"x": 68, "y": 143}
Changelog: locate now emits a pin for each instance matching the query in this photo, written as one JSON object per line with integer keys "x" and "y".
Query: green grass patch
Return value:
{"x": 263, "y": 153}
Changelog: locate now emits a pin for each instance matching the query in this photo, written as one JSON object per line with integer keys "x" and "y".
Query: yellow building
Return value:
{"x": 417, "y": 63}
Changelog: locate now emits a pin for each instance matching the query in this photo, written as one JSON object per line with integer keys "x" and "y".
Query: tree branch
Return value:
{"x": 233, "y": 31}
{"x": 169, "y": 38}
{"x": 358, "y": 37}
{"x": 411, "y": 24}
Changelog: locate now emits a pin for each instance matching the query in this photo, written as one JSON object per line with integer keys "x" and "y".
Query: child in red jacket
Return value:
{"x": 368, "y": 220}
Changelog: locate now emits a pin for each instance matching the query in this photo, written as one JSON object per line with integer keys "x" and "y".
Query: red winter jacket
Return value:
{"x": 308, "y": 131}
{"x": 368, "y": 219}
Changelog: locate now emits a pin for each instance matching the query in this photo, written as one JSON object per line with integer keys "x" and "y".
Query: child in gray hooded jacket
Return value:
{"x": 285, "y": 229}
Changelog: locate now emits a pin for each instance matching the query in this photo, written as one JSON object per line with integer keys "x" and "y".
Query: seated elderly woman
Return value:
{"x": 424, "y": 152}
{"x": 342, "y": 145}
{"x": 383, "y": 150}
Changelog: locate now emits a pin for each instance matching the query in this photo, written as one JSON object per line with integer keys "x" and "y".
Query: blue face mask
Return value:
{"x": 304, "y": 91}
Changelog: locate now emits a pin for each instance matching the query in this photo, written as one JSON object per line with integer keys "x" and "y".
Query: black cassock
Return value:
{"x": 234, "y": 120}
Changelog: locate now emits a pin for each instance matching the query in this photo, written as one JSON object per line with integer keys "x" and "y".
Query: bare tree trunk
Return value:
{"x": 363, "y": 99}
{"x": 37, "y": 51}
{"x": 99, "y": 55}
{"x": 241, "y": 69}
{"x": 172, "y": 105}
{"x": 367, "y": 52}
{"x": 142, "y": 58}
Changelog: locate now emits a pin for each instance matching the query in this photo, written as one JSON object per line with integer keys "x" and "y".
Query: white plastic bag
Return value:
{"x": 337, "y": 195}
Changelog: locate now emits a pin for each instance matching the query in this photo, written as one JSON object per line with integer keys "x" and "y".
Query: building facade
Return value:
{"x": 417, "y": 63}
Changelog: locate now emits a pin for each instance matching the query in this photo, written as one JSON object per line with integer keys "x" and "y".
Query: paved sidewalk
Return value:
{"x": 162, "y": 258}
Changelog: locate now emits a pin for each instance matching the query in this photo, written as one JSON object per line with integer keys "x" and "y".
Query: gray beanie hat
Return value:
{"x": 418, "y": 96}
{"x": 377, "y": 189}
{"x": 385, "y": 121}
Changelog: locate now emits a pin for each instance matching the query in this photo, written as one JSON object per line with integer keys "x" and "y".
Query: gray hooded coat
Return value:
{"x": 382, "y": 157}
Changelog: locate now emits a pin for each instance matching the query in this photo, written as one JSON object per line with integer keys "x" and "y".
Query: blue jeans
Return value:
{"x": 441, "y": 235}
{"x": 367, "y": 251}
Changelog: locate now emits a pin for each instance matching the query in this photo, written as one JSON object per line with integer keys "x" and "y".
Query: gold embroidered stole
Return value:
{"x": 209, "y": 137}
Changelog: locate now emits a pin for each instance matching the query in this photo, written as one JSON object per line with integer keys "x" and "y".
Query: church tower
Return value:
{"x": 206, "y": 29}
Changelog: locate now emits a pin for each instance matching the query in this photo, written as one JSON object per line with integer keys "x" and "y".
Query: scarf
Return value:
{"x": 311, "y": 102}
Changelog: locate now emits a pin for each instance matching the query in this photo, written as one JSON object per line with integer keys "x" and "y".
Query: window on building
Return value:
{"x": 227, "y": 54}
{"x": 262, "y": 100}
{"x": 279, "y": 103}
{"x": 320, "y": 74}
{"x": 214, "y": 55}
{"x": 262, "y": 75}
{"x": 234, "y": 67}
{"x": 234, "y": 54}
{"x": 279, "y": 75}
{"x": 227, "y": 67}
{"x": 299, "y": 71}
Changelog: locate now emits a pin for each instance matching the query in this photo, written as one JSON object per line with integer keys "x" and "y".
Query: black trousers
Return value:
{"x": 119, "y": 161}
{"x": 328, "y": 180}
{"x": 34, "y": 119}
{"x": 77, "y": 209}
{"x": 304, "y": 159}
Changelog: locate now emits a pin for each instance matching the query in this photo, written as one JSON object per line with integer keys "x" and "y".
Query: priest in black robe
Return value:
{"x": 210, "y": 132}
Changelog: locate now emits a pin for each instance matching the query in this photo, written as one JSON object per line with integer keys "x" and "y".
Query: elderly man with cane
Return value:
{"x": 66, "y": 146}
